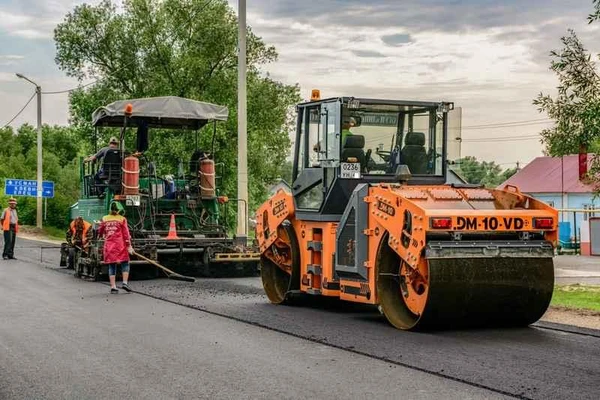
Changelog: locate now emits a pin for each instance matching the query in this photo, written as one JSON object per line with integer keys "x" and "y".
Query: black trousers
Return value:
{"x": 10, "y": 237}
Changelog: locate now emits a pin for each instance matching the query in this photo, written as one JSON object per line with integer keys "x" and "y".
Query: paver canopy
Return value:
{"x": 160, "y": 112}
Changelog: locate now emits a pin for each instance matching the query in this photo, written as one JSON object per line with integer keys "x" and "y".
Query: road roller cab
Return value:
{"x": 175, "y": 216}
{"x": 371, "y": 219}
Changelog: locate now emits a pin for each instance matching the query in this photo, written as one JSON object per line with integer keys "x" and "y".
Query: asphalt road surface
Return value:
{"x": 577, "y": 269}
{"x": 62, "y": 338}
{"x": 535, "y": 362}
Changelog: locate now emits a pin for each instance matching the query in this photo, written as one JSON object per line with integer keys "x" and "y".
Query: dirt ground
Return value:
{"x": 582, "y": 318}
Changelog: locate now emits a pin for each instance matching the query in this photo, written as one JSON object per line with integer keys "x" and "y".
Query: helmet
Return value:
{"x": 113, "y": 140}
{"x": 117, "y": 207}
{"x": 12, "y": 200}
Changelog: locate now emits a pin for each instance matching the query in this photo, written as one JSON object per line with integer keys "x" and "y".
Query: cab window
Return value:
{"x": 385, "y": 136}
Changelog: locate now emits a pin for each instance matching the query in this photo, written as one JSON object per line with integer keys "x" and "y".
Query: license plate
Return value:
{"x": 350, "y": 171}
{"x": 132, "y": 200}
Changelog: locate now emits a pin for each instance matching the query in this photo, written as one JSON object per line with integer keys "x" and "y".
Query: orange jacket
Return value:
{"x": 6, "y": 221}
{"x": 85, "y": 235}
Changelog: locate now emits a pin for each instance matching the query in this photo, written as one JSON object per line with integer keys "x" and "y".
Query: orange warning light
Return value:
{"x": 315, "y": 95}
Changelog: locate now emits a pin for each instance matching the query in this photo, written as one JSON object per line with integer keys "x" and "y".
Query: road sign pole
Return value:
{"x": 38, "y": 91}
{"x": 39, "y": 156}
{"x": 242, "y": 220}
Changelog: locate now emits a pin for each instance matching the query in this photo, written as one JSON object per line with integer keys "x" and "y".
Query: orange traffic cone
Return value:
{"x": 172, "y": 229}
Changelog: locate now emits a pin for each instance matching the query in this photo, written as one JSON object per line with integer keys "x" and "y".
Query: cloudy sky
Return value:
{"x": 489, "y": 57}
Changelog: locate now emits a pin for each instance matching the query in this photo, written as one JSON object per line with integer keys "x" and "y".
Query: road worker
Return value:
{"x": 117, "y": 245}
{"x": 10, "y": 227}
{"x": 78, "y": 237}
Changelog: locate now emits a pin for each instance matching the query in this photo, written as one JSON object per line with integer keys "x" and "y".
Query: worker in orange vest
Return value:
{"x": 10, "y": 227}
{"x": 78, "y": 237}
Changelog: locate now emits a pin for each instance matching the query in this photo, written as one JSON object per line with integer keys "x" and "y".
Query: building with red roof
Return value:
{"x": 555, "y": 180}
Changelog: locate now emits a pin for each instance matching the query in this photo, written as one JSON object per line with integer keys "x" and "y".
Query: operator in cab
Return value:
{"x": 113, "y": 144}
{"x": 347, "y": 123}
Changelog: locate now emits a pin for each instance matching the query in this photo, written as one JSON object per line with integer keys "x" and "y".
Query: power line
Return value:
{"x": 508, "y": 126}
{"x": 19, "y": 113}
{"x": 73, "y": 89}
{"x": 509, "y": 123}
{"x": 501, "y": 139}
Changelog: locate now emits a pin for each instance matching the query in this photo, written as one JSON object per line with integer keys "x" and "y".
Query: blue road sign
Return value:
{"x": 20, "y": 187}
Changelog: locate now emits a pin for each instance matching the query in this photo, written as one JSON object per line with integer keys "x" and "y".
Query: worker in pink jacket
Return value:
{"x": 117, "y": 245}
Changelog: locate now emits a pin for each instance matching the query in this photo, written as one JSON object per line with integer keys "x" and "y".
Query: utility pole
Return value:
{"x": 38, "y": 91}
{"x": 242, "y": 220}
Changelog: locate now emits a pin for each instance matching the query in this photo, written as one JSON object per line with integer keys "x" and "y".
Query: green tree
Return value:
{"x": 184, "y": 48}
{"x": 287, "y": 171}
{"x": 19, "y": 161}
{"x": 596, "y": 14}
{"x": 482, "y": 172}
{"x": 576, "y": 107}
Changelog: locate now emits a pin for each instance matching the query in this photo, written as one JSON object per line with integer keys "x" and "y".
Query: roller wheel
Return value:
{"x": 463, "y": 292}
{"x": 280, "y": 266}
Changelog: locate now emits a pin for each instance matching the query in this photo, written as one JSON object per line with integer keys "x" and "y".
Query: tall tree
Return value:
{"x": 576, "y": 108}
{"x": 184, "y": 48}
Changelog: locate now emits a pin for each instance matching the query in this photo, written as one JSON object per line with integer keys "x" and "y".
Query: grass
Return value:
{"x": 585, "y": 297}
{"x": 49, "y": 232}
{"x": 54, "y": 233}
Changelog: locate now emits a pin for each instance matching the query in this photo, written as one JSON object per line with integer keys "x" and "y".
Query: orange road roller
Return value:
{"x": 371, "y": 217}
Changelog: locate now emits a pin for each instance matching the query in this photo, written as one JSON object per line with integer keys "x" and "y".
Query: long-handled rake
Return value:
{"x": 170, "y": 274}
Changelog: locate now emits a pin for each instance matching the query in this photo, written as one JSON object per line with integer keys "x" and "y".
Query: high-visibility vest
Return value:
{"x": 6, "y": 222}
{"x": 345, "y": 134}
{"x": 86, "y": 228}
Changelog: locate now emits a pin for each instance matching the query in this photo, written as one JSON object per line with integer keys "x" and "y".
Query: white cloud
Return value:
{"x": 491, "y": 60}
{"x": 34, "y": 19}
{"x": 31, "y": 34}
{"x": 11, "y": 20}
{"x": 6, "y": 77}
{"x": 493, "y": 73}
{"x": 11, "y": 57}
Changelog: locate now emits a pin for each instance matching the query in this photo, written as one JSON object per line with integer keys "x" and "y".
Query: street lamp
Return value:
{"x": 242, "y": 219}
{"x": 38, "y": 91}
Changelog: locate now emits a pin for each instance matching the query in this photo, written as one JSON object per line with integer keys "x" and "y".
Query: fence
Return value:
{"x": 577, "y": 231}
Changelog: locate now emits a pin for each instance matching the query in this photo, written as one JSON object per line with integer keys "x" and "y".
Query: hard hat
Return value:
{"x": 12, "y": 200}
{"x": 114, "y": 140}
{"x": 118, "y": 207}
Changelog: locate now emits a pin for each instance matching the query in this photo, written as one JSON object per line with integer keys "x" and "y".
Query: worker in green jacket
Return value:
{"x": 347, "y": 123}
